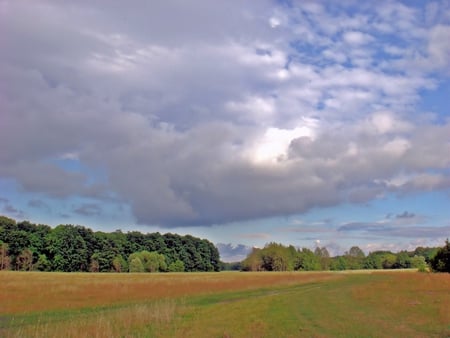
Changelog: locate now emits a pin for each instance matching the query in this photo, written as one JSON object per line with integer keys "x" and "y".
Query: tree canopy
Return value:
{"x": 69, "y": 248}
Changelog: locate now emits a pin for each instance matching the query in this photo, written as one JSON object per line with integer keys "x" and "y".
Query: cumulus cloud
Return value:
{"x": 233, "y": 253}
{"x": 200, "y": 113}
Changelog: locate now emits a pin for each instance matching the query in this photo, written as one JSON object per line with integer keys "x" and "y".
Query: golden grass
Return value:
{"x": 34, "y": 291}
{"x": 122, "y": 322}
{"x": 292, "y": 304}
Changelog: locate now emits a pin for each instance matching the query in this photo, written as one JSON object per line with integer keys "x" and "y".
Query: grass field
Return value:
{"x": 300, "y": 304}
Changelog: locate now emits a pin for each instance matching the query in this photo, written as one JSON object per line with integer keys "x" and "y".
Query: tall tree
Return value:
{"x": 67, "y": 249}
{"x": 441, "y": 262}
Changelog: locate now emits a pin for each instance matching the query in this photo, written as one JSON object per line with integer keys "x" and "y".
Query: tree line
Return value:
{"x": 277, "y": 257}
{"x": 70, "y": 248}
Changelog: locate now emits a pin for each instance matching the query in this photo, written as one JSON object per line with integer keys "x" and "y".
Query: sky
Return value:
{"x": 311, "y": 123}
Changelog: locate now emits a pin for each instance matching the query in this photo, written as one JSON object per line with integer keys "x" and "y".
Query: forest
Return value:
{"x": 68, "y": 248}
{"x": 277, "y": 257}
{"x": 27, "y": 246}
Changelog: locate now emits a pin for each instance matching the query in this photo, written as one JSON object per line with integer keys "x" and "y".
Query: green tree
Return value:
{"x": 67, "y": 249}
{"x": 427, "y": 253}
{"x": 274, "y": 257}
{"x": 419, "y": 263}
{"x": 307, "y": 260}
{"x": 119, "y": 264}
{"x": 153, "y": 261}
{"x": 5, "y": 261}
{"x": 339, "y": 263}
{"x": 441, "y": 262}
{"x": 355, "y": 258}
{"x": 136, "y": 265}
{"x": 380, "y": 260}
{"x": 324, "y": 257}
{"x": 43, "y": 264}
{"x": 253, "y": 262}
{"x": 402, "y": 261}
{"x": 177, "y": 266}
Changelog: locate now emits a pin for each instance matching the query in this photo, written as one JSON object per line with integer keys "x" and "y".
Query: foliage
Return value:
{"x": 177, "y": 266}
{"x": 136, "y": 265}
{"x": 277, "y": 257}
{"x": 70, "y": 248}
{"x": 441, "y": 262}
{"x": 151, "y": 261}
{"x": 307, "y": 261}
{"x": 4, "y": 258}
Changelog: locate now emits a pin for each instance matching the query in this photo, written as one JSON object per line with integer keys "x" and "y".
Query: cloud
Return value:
{"x": 39, "y": 204}
{"x": 233, "y": 253}
{"x": 405, "y": 215}
{"x": 10, "y": 210}
{"x": 259, "y": 235}
{"x": 88, "y": 209}
{"x": 202, "y": 114}
{"x": 357, "y": 38}
{"x": 379, "y": 229}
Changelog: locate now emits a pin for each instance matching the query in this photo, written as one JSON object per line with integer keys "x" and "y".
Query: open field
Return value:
{"x": 296, "y": 304}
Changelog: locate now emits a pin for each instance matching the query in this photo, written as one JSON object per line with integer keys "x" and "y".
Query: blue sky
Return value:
{"x": 244, "y": 122}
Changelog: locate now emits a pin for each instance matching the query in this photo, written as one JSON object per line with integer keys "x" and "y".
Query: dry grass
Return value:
{"x": 33, "y": 291}
{"x": 376, "y": 304}
{"x": 135, "y": 320}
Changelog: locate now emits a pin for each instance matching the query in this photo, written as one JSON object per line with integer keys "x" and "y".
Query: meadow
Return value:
{"x": 226, "y": 304}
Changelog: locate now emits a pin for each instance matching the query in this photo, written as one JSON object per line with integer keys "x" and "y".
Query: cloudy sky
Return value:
{"x": 243, "y": 122}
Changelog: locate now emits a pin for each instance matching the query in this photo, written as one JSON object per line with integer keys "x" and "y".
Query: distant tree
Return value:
{"x": 136, "y": 265}
{"x": 339, "y": 263}
{"x": 419, "y": 263}
{"x": 253, "y": 262}
{"x": 24, "y": 261}
{"x": 77, "y": 248}
{"x": 94, "y": 266}
{"x": 355, "y": 251}
{"x": 42, "y": 263}
{"x": 4, "y": 258}
{"x": 324, "y": 257}
{"x": 427, "y": 253}
{"x": 276, "y": 257}
{"x": 380, "y": 260}
{"x": 402, "y": 261}
{"x": 151, "y": 261}
{"x": 67, "y": 249}
{"x": 307, "y": 260}
{"x": 177, "y": 266}
{"x": 441, "y": 262}
{"x": 119, "y": 264}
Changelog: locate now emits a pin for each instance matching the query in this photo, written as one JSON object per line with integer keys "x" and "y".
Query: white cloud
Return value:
{"x": 273, "y": 146}
{"x": 205, "y": 113}
{"x": 357, "y": 38}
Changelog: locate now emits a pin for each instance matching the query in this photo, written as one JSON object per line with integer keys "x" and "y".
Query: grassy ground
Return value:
{"x": 381, "y": 304}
